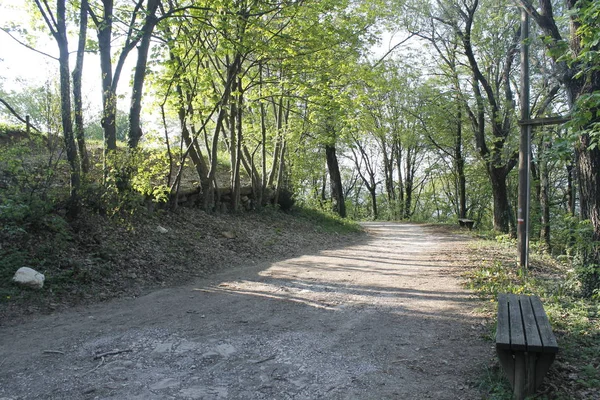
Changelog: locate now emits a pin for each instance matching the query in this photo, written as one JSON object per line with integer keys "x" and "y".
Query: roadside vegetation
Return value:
{"x": 575, "y": 319}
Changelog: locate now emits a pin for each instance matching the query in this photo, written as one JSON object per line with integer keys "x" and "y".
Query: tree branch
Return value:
{"x": 26, "y": 45}
{"x": 13, "y": 112}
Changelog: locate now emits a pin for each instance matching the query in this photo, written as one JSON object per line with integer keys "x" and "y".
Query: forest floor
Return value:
{"x": 361, "y": 316}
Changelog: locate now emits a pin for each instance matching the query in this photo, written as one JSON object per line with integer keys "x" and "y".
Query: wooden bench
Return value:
{"x": 466, "y": 222}
{"x": 525, "y": 343}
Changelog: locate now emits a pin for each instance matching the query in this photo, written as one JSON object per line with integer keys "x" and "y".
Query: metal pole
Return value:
{"x": 524, "y": 150}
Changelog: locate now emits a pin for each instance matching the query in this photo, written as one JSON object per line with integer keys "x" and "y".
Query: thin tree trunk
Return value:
{"x": 263, "y": 146}
{"x": 545, "y": 204}
{"x": 408, "y": 184}
{"x": 235, "y": 189}
{"x": 401, "y": 192}
{"x": 109, "y": 98}
{"x": 571, "y": 192}
{"x": 460, "y": 168}
{"x": 77, "y": 96}
{"x": 278, "y": 111}
{"x": 65, "y": 109}
{"x": 280, "y": 171}
{"x": 135, "y": 130}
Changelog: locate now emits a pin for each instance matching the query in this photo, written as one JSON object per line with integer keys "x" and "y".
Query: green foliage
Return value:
{"x": 493, "y": 277}
{"x": 30, "y": 178}
{"x": 587, "y": 62}
{"x": 149, "y": 177}
{"x": 132, "y": 178}
{"x": 577, "y": 247}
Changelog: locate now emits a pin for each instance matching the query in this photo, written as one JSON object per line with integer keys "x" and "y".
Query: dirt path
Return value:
{"x": 382, "y": 319}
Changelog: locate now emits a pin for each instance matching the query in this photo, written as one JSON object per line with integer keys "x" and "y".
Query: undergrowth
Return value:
{"x": 576, "y": 371}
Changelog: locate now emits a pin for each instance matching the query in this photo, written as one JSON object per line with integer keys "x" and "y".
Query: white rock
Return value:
{"x": 29, "y": 277}
{"x": 228, "y": 234}
{"x": 162, "y": 230}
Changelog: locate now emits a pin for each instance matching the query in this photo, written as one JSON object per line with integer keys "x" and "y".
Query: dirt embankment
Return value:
{"x": 98, "y": 259}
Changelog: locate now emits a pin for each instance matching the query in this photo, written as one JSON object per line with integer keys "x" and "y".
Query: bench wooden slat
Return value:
{"x": 546, "y": 335}
{"x": 517, "y": 335}
{"x": 503, "y": 327}
{"x": 532, "y": 334}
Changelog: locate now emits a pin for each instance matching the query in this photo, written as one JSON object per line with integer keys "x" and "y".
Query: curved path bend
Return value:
{"x": 385, "y": 318}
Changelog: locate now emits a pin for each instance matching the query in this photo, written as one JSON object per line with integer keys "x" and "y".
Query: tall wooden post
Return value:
{"x": 524, "y": 150}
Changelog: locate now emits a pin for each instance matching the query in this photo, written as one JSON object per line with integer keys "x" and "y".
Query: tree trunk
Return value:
{"x": 588, "y": 169}
{"x": 278, "y": 111}
{"x": 571, "y": 192}
{"x": 372, "y": 191}
{"x": 401, "y": 192}
{"x": 337, "y": 194}
{"x": 65, "y": 109}
{"x": 263, "y": 153}
{"x": 408, "y": 185}
{"x": 544, "y": 204}
{"x": 460, "y": 169}
{"x": 503, "y": 215}
{"x": 323, "y": 196}
{"x": 236, "y": 187}
{"x": 109, "y": 98}
{"x": 77, "y": 96}
{"x": 280, "y": 171}
{"x": 135, "y": 130}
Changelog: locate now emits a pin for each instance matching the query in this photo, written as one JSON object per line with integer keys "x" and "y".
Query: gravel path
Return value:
{"x": 382, "y": 319}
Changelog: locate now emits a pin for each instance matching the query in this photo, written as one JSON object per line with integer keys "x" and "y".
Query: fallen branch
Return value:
{"x": 53, "y": 352}
{"x": 95, "y": 368}
{"x": 111, "y": 353}
{"x": 265, "y": 359}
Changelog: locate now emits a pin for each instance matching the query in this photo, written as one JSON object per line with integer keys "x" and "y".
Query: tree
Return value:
{"x": 56, "y": 23}
{"x": 77, "y": 95}
{"x": 150, "y": 21}
{"x": 489, "y": 49}
{"x": 105, "y": 17}
{"x": 576, "y": 59}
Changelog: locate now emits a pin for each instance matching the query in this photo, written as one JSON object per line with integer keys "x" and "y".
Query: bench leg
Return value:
{"x": 525, "y": 371}
{"x": 520, "y": 379}
{"x": 542, "y": 366}
{"x": 508, "y": 365}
